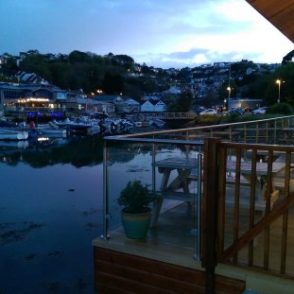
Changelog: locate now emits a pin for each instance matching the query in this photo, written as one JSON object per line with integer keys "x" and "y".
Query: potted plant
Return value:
{"x": 136, "y": 214}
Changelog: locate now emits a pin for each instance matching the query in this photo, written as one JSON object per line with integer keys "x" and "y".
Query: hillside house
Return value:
{"x": 153, "y": 106}
{"x": 127, "y": 105}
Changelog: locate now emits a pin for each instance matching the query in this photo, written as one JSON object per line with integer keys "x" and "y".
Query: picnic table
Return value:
{"x": 187, "y": 169}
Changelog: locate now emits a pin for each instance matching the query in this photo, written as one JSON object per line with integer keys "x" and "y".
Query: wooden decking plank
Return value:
{"x": 129, "y": 285}
{"x": 114, "y": 269}
{"x": 149, "y": 278}
{"x": 153, "y": 266}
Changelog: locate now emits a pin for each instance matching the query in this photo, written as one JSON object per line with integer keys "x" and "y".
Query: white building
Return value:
{"x": 153, "y": 106}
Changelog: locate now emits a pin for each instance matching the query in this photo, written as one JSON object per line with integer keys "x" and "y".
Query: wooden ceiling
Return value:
{"x": 279, "y": 12}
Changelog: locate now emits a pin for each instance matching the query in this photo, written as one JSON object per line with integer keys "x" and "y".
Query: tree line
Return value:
{"x": 119, "y": 74}
{"x": 84, "y": 70}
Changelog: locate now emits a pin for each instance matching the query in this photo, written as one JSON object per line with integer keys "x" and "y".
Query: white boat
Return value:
{"x": 116, "y": 126}
{"x": 12, "y": 134}
{"x": 19, "y": 144}
{"x": 156, "y": 122}
{"x": 77, "y": 127}
{"x": 84, "y": 126}
{"x": 49, "y": 131}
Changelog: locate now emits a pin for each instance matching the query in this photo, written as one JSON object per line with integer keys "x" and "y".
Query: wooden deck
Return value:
{"x": 121, "y": 273}
{"x": 165, "y": 263}
{"x": 172, "y": 244}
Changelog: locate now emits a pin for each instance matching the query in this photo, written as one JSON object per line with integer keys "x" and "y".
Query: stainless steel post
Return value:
{"x": 105, "y": 234}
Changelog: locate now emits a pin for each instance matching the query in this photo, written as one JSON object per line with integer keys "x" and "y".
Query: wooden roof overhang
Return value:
{"x": 279, "y": 12}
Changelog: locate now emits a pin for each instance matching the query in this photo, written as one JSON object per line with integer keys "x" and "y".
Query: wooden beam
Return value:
{"x": 282, "y": 208}
{"x": 279, "y": 13}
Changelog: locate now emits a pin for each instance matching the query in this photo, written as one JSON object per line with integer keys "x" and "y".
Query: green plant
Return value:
{"x": 281, "y": 108}
{"x": 135, "y": 197}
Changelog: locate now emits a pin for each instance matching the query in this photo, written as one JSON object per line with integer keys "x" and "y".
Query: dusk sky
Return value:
{"x": 163, "y": 33}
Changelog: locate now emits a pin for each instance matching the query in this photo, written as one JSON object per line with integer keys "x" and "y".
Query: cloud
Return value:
{"x": 158, "y": 32}
{"x": 194, "y": 57}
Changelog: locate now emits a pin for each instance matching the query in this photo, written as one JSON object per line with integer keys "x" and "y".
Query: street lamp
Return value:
{"x": 225, "y": 104}
{"x": 229, "y": 89}
{"x": 279, "y": 83}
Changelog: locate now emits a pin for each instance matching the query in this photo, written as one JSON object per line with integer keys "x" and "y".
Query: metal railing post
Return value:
{"x": 153, "y": 168}
{"x": 198, "y": 207}
{"x": 105, "y": 233}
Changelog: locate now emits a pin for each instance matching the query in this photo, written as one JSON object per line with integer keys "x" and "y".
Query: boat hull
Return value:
{"x": 13, "y": 135}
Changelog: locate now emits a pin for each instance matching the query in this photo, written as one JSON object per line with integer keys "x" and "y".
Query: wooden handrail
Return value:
{"x": 282, "y": 207}
{"x": 216, "y": 165}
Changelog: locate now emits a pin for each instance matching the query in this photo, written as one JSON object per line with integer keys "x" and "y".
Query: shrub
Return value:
{"x": 135, "y": 197}
{"x": 280, "y": 108}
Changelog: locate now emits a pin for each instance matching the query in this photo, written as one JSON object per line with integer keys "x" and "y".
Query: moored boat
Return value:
{"x": 12, "y": 134}
{"x": 108, "y": 126}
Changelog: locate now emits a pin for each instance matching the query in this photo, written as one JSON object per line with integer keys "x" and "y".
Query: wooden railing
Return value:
{"x": 242, "y": 230}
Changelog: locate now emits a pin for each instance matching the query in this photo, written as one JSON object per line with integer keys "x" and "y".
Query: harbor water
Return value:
{"x": 50, "y": 210}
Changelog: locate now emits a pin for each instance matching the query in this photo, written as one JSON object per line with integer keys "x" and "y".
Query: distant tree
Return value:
{"x": 10, "y": 66}
{"x": 6, "y": 78}
{"x": 61, "y": 72}
{"x": 33, "y": 52}
{"x": 145, "y": 69}
{"x": 286, "y": 74}
{"x": 182, "y": 104}
{"x": 211, "y": 98}
{"x": 281, "y": 108}
{"x": 112, "y": 83}
{"x": 133, "y": 91}
{"x": 241, "y": 66}
{"x": 37, "y": 63}
{"x": 265, "y": 86}
{"x": 78, "y": 56}
{"x": 124, "y": 59}
{"x": 184, "y": 74}
{"x": 261, "y": 88}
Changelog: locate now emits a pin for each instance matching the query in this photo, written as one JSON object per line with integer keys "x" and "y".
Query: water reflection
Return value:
{"x": 77, "y": 152}
{"x": 50, "y": 211}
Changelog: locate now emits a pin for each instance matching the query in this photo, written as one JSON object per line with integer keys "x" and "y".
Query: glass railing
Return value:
{"x": 272, "y": 131}
{"x": 169, "y": 163}
{"x": 170, "y": 171}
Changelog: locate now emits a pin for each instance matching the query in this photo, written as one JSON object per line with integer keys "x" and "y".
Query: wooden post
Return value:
{"x": 209, "y": 212}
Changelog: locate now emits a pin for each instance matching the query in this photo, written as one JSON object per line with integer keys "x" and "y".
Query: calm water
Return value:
{"x": 50, "y": 210}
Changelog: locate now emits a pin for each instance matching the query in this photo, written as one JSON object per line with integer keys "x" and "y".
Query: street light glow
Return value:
{"x": 279, "y": 82}
{"x": 229, "y": 89}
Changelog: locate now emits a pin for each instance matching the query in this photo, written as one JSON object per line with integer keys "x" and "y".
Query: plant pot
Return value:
{"x": 136, "y": 224}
